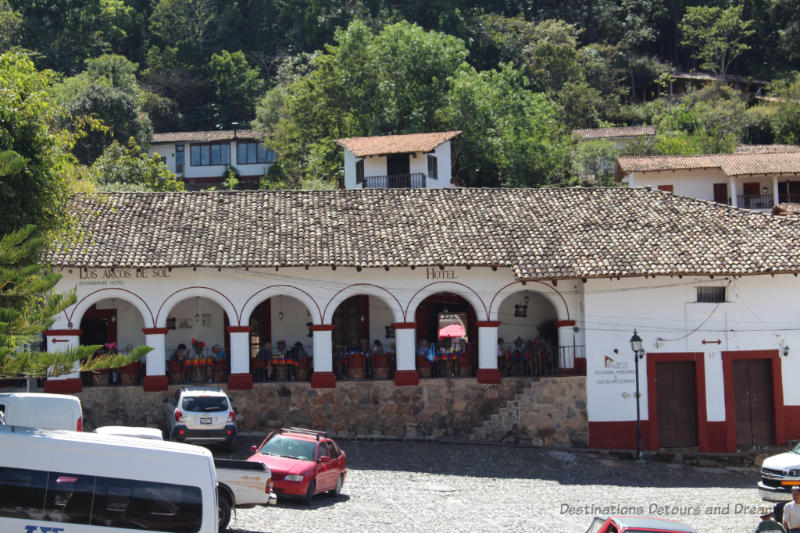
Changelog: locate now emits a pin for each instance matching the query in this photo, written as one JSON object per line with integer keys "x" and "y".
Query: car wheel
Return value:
{"x": 310, "y": 492}
{"x": 224, "y": 512}
{"x": 339, "y": 482}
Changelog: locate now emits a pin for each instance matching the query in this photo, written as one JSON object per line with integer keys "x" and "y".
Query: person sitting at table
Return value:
{"x": 217, "y": 353}
{"x": 376, "y": 349}
{"x": 265, "y": 355}
{"x": 180, "y": 353}
{"x": 422, "y": 348}
{"x": 278, "y": 356}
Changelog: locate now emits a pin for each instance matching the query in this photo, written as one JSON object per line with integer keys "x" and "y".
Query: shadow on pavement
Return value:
{"x": 580, "y": 467}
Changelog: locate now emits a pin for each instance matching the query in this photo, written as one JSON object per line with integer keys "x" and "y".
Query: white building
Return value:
{"x": 415, "y": 161}
{"x": 756, "y": 179}
{"x": 202, "y": 157}
{"x": 710, "y": 290}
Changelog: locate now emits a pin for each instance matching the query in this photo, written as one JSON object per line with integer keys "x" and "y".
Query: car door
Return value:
{"x": 326, "y": 479}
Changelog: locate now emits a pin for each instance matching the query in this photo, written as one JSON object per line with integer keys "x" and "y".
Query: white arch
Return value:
{"x": 281, "y": 290}
{"x": 79, "y": 309}
{"x": 551, "y": 294}
{"x": 364, "y": 288}
{"x": 453, "y": 287}
{"x": 188, "y": 292}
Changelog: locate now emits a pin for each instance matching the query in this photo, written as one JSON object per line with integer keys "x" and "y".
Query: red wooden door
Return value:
{"x": 721, "y": 193}
{"x": 677, "y": 404}
{"x": 752, "y": 384}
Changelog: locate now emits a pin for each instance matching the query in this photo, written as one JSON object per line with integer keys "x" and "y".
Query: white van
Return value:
{"x": 42, "y": 410}
{"x": 67, "y": 482}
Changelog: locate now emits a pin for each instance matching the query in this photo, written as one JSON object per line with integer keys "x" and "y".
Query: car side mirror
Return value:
{"x": 324, "y": 459}
{"x": 253, "y": 448}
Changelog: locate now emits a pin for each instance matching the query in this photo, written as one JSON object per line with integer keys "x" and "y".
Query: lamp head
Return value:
{"x": 636, "y": 342}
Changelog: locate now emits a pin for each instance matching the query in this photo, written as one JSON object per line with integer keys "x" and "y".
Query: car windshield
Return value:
{"x": 284, "y": 446}
{"x": 204, "y": 403}
{"x": 796, "y": 449}
{"x": 597, "y": 524}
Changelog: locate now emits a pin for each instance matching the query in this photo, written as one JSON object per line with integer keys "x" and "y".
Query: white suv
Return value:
{"x": 201, "y": 415}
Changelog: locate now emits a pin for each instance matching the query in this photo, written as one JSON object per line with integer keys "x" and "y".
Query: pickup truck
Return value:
{"x": 242, "y": 484}
{"x": 779, "y": 473}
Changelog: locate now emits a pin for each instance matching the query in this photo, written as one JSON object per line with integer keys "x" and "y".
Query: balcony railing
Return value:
{"x": 395, "y": 181}
{"x": 792, "y": 198}
{"x": 756, "y": 201}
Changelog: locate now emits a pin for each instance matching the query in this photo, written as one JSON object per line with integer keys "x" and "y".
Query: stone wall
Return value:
{"x": 436, "y": 408}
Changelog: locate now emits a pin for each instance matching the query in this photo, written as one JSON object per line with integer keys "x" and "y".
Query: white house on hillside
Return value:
{"x": 202, "y": 157}
{"x": 754, "y": 179}
{"x": 415, "y": 161}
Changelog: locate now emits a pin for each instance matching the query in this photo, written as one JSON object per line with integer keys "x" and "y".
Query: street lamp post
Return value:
{"x": 638, "y": 353}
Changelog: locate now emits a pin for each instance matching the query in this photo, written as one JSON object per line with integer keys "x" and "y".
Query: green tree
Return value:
{"x": 717, "y": 36}
{"x": 782, "y": 112}
{"x": 67, "y": 32}
{"x": 594, "y": 162}
{"x": 10, "y": 26}
{"x": 28, "y": 304}
{"x": 128, "y": 168}
{"x": 107, "y": 91}
{"x": 366, "y": 84}
{"x": 510, "y": 137}
{"x": 30, "y": 126}
{"x": 238, "y": 86}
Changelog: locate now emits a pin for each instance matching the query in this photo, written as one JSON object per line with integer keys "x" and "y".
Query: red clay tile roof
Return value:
{"x": 553, "y": 233}
{"x": 736, "y": 164}
{"x": 396, "y": 144}
{"x": 205, "y": 136}
{"x": 610, "y": 133}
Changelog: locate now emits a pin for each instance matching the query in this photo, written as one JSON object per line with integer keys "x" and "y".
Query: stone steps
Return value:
{"x": 545, "y": 412}
{"x": 505, "y": 420}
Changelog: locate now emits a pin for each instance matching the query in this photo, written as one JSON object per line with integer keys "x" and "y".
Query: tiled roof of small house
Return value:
{"x": 396, "y": 144}
{"x": 610, "y": 133}
{"x": 553, "y": 233}
{"x": 766, "y": 148}
{"x": 205, "y": 136}
{"x": 736, "y": 164}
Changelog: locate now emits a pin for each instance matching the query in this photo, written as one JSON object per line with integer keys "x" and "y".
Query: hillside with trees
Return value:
{"x": 515, "y": 77}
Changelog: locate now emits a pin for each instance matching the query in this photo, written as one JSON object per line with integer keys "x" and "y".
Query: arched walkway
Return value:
{"x": 75, "y": 314}
{"x": 368, "y": 289}
{"x": 460, "y": 289}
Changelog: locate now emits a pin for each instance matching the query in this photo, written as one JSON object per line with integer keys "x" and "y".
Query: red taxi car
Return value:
{"x": 303, "y": 462}
{"x": 637, "y": 524}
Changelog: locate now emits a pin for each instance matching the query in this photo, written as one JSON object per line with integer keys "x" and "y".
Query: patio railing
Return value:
{"x": 395, "y": 181}
{"x": 756, "y": 201}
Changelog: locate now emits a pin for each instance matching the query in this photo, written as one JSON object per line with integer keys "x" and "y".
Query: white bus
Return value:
{"x": 55, "y": 481}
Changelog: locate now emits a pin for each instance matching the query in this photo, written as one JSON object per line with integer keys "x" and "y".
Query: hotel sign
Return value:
{"x": 438, "y": 273}
{"x": 118, "y": 276}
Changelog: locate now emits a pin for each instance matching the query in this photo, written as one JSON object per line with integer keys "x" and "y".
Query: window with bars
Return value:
{"x": 710, "y": 294}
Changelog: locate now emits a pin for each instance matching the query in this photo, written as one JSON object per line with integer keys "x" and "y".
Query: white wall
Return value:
{"x": 759, "y": 315}
{"x": 129, "y": 322}
{"x": 700, "y": 183}
{"x": 418, "y": 163}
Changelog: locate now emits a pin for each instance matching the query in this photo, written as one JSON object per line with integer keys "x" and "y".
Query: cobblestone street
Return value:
{"x": 415, "y": 486}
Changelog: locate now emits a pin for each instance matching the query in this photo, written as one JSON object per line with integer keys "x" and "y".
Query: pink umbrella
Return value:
{"x": 453, "y": 330}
